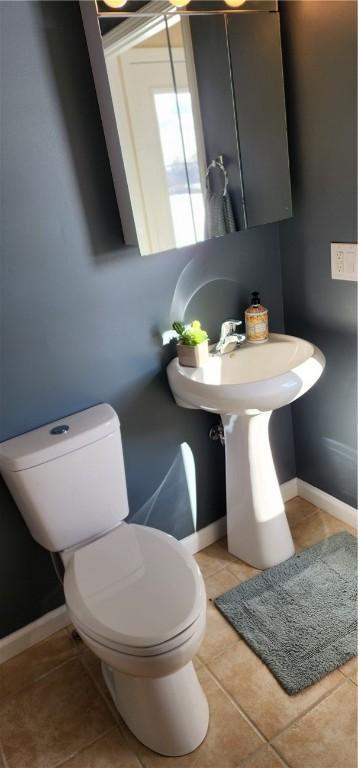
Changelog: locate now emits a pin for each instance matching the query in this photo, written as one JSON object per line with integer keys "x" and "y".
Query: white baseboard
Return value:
{"x": 215, "y": 531}
{"x": 33, "y": 633}
{"x": 289, "y": 489}
{"x": 45, "y": 626}
{"x": 328, "y": 503}
{"x": 206, "y": 536}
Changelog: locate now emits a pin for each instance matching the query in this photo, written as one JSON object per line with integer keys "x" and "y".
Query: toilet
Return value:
{"x": 134, "y": 594}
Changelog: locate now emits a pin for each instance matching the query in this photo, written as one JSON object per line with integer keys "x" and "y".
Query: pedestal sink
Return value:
{"x": 245, "y": 386}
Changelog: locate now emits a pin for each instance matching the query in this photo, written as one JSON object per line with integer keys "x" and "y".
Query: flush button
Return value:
{"x": 61, "y": 429}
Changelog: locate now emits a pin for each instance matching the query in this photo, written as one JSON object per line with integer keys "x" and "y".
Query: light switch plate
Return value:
{"x": 344, "y": 261}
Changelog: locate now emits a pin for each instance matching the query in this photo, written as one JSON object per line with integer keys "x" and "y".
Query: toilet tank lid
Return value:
{"x": 58, "y": 438}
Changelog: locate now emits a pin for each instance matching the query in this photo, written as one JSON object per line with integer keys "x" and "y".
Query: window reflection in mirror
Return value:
{"x": 180, "y": 47}
{"x": 158, "y": 121}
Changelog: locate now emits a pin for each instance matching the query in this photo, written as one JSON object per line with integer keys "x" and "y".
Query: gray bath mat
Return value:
{"x": 300, "y": 617}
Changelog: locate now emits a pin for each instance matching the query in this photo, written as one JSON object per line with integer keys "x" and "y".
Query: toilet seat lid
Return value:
{"x": 135, "y": 586}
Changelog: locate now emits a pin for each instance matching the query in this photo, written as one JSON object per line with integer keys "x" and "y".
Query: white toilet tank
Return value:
{"x": 68, "y": 478}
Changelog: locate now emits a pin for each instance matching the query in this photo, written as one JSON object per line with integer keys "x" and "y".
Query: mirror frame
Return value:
{"x": 92, "y": 11}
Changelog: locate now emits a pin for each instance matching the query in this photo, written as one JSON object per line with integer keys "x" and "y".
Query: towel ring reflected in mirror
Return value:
{"x": 217, "y": 163}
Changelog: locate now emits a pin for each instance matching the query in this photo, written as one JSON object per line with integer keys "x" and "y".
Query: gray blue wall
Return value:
{"x": 320, "y": 61}
{"x": 81, "y": 316}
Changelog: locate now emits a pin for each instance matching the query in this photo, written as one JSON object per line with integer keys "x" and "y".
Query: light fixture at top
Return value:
{"x": 115, "y": 3}
{"x": 179, "y": 3}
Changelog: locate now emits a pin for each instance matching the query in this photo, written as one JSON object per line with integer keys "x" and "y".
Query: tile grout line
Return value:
{"x": 291, "y": 722}
{"x": 227, "y": 569}
{"x": 107, "y": 700}
{"x": 245, "y": 578}
{"x": 284, "y": 762}
{"x": 127, "y": 742}
{"x": 306, "y": 517}
{"x": 238, "y": 707}
{"x": 86, "y": 746}
{"x": 229, "y": 647}
{"x": 112, "y": 708}
{"x": 281, "y": 758}
{"x": 36, "y": 679}
{"x": 306, "y": 711}
{"x": 220, "y": 653}
{"x": 131, "y": 749}
{"x": 248, "y": 759}
{"x": 214, "y": 573}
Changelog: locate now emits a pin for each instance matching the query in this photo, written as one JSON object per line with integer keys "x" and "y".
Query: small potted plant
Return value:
{"x": 192, "y": 344}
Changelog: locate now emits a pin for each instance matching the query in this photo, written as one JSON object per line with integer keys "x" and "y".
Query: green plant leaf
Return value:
{"x": 192, "y": 334}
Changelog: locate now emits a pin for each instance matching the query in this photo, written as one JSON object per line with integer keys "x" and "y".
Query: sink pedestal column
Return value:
{"x": 257, "y": 527}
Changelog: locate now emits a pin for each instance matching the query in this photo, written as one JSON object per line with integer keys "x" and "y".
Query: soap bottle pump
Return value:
{"x": 256, "y": 321}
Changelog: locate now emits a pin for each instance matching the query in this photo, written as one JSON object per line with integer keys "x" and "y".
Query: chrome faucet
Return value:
{"x": 229, "y": 337}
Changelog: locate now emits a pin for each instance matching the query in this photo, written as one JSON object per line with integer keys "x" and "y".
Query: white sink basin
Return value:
{"x": 252, "y": 379}
{"x": 245, "y": 386}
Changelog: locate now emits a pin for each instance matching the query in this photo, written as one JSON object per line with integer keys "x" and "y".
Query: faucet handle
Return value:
{"x": 229, "y": 326}
{"x": 229, "y": 334}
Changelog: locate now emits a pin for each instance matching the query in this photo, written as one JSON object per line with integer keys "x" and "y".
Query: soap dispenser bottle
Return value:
{"x": 256, "y": 321}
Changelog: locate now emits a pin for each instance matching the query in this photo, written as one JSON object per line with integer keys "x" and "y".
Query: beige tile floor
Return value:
{"x": 55, "y": 710}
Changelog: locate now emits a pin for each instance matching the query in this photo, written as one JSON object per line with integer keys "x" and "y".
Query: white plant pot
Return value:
{"x": 195, "y": 356}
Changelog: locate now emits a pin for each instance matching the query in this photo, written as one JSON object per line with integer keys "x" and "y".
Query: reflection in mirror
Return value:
{"x": 187, "y": 103}
{"x": 207, "y": 178}
{"x": 160, "y": 140}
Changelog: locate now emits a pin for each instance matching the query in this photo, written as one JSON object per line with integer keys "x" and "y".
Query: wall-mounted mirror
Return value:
{"x": 193, "y": 110}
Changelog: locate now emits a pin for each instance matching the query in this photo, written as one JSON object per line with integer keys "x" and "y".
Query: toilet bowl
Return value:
{"x": 126, "y": 612}
{"x": 134, "y": 594}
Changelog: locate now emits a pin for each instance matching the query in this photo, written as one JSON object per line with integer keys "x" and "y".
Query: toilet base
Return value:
{"x": 170, "y": 714}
